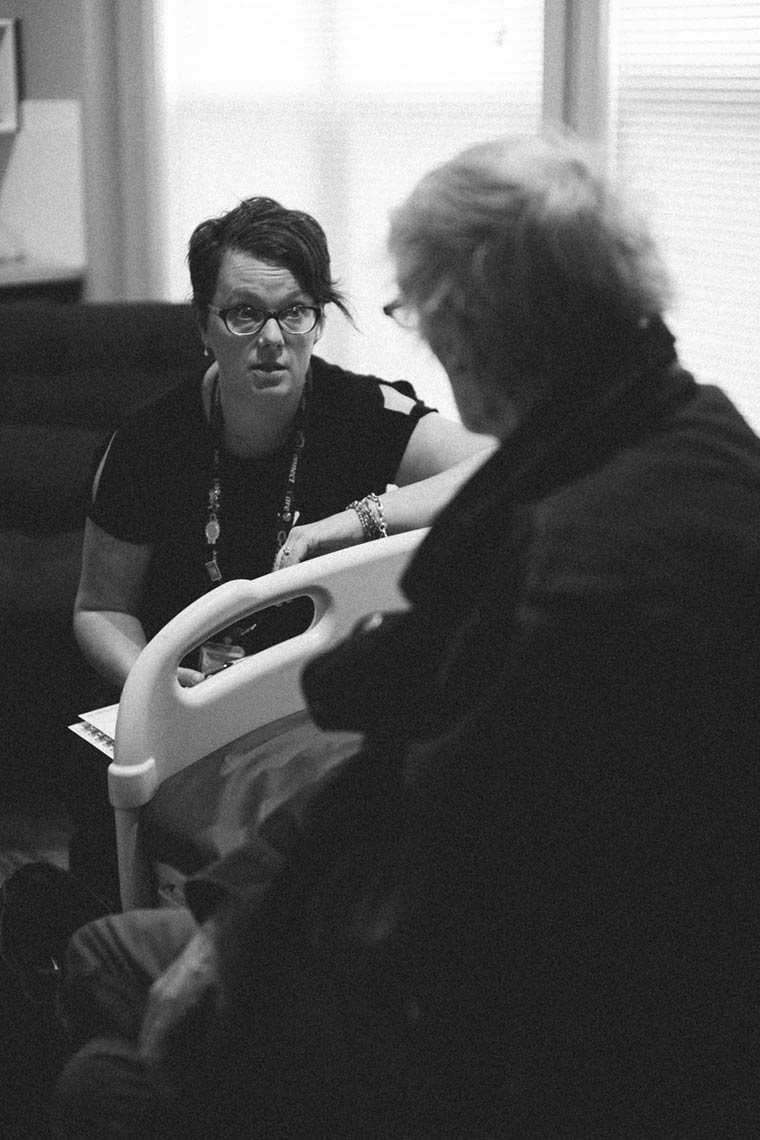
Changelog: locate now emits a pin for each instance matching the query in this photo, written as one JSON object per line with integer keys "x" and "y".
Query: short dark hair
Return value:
{"x": 264, "y": 229}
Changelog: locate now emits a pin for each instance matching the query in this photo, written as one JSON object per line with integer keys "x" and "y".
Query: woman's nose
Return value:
{"x": 270, "y": 333}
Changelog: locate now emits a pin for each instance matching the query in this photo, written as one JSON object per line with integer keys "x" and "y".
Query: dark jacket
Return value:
{"x": 530, "y": 906}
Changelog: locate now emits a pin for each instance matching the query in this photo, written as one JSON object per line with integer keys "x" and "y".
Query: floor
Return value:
{"x": 33, "y": 825}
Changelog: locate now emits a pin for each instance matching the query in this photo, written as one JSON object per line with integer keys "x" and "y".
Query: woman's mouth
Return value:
{"x": 268, "y": 366}
{"x": 268, "y": 373}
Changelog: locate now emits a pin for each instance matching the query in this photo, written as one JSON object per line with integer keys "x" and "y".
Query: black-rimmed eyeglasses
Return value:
{"x": 245, "y": 320}
{"x": 402, "y": 314}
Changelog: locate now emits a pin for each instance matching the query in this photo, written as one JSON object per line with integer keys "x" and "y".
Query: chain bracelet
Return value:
{"x": 370, "y": 513}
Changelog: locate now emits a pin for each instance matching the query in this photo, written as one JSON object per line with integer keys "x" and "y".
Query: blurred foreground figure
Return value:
{"x": 529, "y": 906}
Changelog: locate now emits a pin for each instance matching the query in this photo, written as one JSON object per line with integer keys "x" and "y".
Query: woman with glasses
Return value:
{"x": 276, "y": 456}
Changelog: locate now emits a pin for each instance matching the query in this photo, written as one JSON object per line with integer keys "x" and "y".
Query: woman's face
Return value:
{"x": 270, "y": 364}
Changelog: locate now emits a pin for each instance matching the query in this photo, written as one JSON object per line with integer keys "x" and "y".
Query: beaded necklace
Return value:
{"x": 213, "y": 528}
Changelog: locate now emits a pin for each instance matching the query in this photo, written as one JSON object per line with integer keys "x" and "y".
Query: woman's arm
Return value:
{"x": 440, "y": 457}
{"x": 111, "y": 584}
{"x": 106, "y": 625}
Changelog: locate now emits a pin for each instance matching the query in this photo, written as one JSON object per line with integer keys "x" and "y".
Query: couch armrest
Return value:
{"x": 38, "y": 572}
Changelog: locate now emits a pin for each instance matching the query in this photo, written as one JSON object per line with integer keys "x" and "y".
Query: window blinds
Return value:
{"x": 686, "y": 132}
{"x": 338, "y": 107}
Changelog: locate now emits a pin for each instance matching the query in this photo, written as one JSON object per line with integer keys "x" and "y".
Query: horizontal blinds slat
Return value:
{"x": 687, "y": 141}
{"x": 337, "y": 107}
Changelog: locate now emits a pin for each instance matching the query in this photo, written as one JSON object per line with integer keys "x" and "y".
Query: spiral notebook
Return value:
{"x": 98, "y": 727}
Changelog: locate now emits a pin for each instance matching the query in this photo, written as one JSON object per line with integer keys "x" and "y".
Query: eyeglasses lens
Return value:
{"x": 402, "y": 314}
{"x": 298, "y": 319}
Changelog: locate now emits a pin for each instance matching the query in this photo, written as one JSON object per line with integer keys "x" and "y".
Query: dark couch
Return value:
{"x": 69, "y": 372}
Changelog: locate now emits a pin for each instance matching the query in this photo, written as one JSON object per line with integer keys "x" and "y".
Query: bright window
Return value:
{"x": 687, "y": 142}
{"x": 337, "y": 107}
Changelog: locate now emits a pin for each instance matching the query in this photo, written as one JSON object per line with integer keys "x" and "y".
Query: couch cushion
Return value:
{"x": 85, "y": 365}
{"x": 68, "y": 375}
{"x": 39, "y": 573}
{"x": 48, "y": 471}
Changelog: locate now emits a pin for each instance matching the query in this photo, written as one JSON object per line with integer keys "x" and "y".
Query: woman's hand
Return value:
{"x": 189, "y": 677}
{"x": 439, "y": 458}
{"x": 332, "y": 533}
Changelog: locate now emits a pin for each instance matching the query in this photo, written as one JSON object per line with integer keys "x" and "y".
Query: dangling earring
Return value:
{"x": 206, "y": 350}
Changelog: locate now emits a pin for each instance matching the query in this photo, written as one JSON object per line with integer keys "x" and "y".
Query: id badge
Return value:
{"x": 216, "y": 655}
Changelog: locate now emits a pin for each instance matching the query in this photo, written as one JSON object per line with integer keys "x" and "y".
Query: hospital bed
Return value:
{"x": 195, "y": 769}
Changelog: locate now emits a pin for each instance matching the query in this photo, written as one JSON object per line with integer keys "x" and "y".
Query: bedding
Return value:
{"x": 209, "y": 809}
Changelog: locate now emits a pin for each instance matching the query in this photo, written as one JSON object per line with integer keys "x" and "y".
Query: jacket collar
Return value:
{"x": 562, "y": 439}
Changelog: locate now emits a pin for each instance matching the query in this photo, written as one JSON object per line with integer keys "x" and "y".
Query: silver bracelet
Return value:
{"x": 370, "y": 512}
{"x": 374, "y": 501}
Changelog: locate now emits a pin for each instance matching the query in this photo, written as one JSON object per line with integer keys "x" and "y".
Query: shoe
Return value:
{"x": 41, "y": 906}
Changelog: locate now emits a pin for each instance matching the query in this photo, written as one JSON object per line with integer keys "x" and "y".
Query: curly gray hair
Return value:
{"x": 523, "y": 254}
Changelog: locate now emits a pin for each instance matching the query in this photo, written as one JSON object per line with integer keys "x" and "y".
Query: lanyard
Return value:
{"x": 213, "y": 528}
